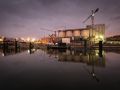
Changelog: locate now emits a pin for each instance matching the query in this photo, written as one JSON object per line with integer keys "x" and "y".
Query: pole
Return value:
{"x": 92, "y": 19}
{"x": 100, "y": 48}
{"x": 30, "y": 47}
{"x": 16, "y": 46}
{"x": 55, "y": 36}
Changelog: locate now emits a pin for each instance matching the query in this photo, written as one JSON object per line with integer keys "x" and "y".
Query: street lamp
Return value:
{"x": 92, "y": 19}
{"x": 28, "y": 39}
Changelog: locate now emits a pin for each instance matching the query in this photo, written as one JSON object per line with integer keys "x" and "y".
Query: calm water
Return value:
{"x": 59, "y": 69}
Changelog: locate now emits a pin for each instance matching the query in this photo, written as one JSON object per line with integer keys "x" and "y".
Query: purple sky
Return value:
{"x": 26, "y": 18}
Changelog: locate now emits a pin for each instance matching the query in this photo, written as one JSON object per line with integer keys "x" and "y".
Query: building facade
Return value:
{"x": 98, "y": 32}
{"x": 77, "y": 35}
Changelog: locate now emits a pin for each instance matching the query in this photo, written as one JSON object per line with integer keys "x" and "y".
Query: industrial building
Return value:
{"x": 78, "y": 35}
{"x": 114, "y": 40}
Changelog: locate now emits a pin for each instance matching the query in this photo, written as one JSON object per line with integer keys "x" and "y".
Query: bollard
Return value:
{"x": 5, "y": 44}
{"x": 5, "y": 47}
{"x": 16, "y": 45}
{"x": 85, "y": 44}
{"x": 30, "y": 47}
{"x": 85, "y": 47}
{"x": 100, "y": 48}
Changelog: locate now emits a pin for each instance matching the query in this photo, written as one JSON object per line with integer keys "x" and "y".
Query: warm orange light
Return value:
{"x": 1, "y": 39}
{"x": 33, "y": 40}
{"x": 28, "y": 39}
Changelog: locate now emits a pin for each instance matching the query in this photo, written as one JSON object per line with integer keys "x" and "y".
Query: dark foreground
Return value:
{"x": 59, "y": 69}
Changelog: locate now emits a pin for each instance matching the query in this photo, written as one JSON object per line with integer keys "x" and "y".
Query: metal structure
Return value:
{"x": 92, "y": 21}
{"x": 53, "y": 36}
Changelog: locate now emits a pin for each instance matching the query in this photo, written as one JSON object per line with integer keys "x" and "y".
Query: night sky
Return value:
{"x": 26, "y": 18}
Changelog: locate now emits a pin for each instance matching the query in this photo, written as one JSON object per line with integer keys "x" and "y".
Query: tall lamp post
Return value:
{"x": 92, "y": 26}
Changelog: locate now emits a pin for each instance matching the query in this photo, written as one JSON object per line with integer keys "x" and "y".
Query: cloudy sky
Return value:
{"x": 32, "y": 18}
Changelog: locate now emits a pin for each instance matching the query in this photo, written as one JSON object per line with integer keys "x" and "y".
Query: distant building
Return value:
{"x": 78, "y": 35}
{"x": 74, "y": 35}
{"x": 113, "y": 40}
{"x": 49, "y": 39}
{"x": 98, "y": 32}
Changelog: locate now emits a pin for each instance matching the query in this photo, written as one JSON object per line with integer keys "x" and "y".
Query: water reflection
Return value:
{"x": 12, "y": 51}
{"x": 6, "y": 52}
{"x": 114, "y": 50}
{"x": 88, "y": 57}
{"x": 92, "y": 58}
{"x": 31, "y": 51}
{"x": 70, "y": 68}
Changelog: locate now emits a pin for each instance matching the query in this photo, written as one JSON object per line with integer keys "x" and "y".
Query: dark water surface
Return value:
{"x": 60, "y": 69}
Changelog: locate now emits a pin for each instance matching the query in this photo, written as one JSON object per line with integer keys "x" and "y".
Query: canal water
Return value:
{"x": 60, "y": 69}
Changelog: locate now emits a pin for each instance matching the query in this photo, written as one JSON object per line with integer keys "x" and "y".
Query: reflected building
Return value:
{"x": 91, "y": 58}
{"x": 79, "y": 56}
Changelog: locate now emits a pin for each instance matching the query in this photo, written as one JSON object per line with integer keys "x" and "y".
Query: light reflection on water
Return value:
{"x": 59, "y": 68}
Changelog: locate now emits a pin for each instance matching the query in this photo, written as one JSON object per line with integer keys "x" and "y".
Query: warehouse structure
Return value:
{"x": 78, "y": 35}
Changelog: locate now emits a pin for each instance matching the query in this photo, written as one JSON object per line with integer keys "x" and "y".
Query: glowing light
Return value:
{"x": 3, "y": 54}
{"x": 101, "y": 37}
{"x": 93, "y": 14}
{"x": 96, "y": 54}
{"x": 28, "y": 51}
{"x": 33, "y": 39}
{"x": 28, "y": 39}
{"x": 96, "y": 36}
{"x": 1, "y": 40}
{"x": 33, "y": 49}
